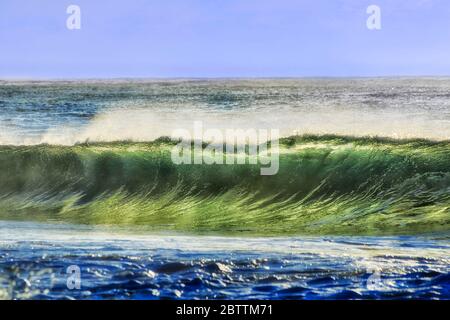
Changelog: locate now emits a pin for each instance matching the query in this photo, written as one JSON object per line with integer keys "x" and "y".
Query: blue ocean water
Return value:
{"x": 130, "y": 264}
{"x": 65, "y": 112}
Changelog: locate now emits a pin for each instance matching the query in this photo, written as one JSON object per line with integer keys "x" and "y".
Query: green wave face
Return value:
{"x": 325, "y": 185}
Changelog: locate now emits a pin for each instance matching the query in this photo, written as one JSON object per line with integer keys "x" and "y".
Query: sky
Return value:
{"x": 223, "y": 38}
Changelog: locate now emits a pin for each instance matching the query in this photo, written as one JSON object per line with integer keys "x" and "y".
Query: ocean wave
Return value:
{"x": 325, "y": 185}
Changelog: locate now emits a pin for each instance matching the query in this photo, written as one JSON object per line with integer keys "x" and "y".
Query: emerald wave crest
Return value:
{"x": 325, "y": 185}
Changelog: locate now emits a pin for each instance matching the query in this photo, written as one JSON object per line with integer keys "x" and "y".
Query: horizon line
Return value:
{"x": 127, "y": 78}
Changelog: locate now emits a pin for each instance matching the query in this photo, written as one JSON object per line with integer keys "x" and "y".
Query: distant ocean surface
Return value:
{"x": 360, "y": 207}
{"x": 75, "y": 111}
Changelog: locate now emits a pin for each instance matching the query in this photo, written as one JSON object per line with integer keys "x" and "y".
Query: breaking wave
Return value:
{"x": 326, "y": 184}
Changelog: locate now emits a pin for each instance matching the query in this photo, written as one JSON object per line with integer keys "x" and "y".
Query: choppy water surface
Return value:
{"x": 117, "y": 264}
{"x": 65, "y": 112}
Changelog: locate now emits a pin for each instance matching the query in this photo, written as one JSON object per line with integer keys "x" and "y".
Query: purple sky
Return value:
{"x": 223, "y": 38}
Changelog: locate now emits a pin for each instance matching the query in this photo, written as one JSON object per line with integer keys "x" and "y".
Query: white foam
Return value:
{"x": 147, "y": 125}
